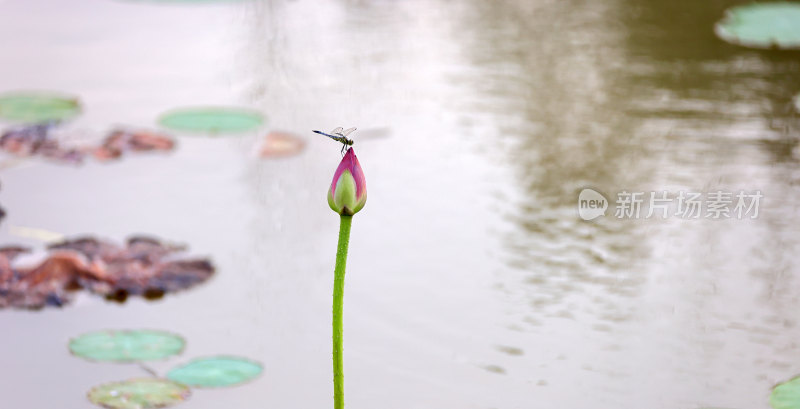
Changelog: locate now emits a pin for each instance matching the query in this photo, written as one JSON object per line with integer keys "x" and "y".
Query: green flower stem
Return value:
{"x": 338, "y": 304}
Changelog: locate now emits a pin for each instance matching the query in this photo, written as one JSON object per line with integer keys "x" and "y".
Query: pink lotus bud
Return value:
{"x": 348, "y": 192}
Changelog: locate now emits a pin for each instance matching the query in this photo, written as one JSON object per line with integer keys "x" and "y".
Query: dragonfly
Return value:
{"x": 340, "y": 135}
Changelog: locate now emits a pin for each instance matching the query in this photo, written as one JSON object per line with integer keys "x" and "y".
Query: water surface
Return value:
{"x": 472, "y": 282}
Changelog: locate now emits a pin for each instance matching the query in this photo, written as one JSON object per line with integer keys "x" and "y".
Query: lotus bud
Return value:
{"x": 348, "y": 192}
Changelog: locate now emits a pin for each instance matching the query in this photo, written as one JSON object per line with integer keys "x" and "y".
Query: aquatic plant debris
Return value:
{"x": 762, "y": 25}
{"x": 281, "y": 144}
{"x": 786, "y": 395}
{"x": 120, "y": 141}
{"x": 145, "y": 267}
{"x": 142, "y": 393}
{"x": 127, "y": 345}
{"x": 37, "y": 139}
{"x": 36, "y": 233}
{"x": 46, "y": 284}
{"x": 215, "y": 372}
{"x": 212, "y": 120}
{"x": 37, "y": 107}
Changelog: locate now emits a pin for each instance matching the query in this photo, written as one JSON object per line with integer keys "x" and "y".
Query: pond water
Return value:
{"x": 471, "y": 281}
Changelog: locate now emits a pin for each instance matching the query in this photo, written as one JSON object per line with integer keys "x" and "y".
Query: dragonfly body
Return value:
{"x": 339, "y": 135}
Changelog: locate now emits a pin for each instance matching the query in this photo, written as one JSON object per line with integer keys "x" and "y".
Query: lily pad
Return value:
{"x": 212, "y": 120}
{"x": 139, "y": 394}
{"x": 762, "y": 25}
{"x": 126, "y": 346}
{"x": 216, "y": 372}
{"x": 786, "y": 395}
{"x": 34, "y": 107}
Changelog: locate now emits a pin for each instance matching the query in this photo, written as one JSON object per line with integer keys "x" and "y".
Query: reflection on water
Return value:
{"x": 555, "y": 98}
{"x": 642, "y": 97}
{"x": 473, "y": 283}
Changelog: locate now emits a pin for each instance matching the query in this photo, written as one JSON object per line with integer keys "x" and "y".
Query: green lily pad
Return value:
{"x": 34, "y": 107}
{"x": 216, "y": 372}
{"x": 762, "y": 25}
{"x": 786, "y": 395}
{"x": 212, "y": 120}
{"x": 126, "y": 346}
{"x": 139, "y": 394}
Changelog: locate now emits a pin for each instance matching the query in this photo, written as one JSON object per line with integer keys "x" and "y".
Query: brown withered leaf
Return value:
{"x": 49, "y": 283}
{"x": 281, "y": 144}
{"x": 145, "y": 267}
{"x": 120, "y": 141}
{"x": 37, "y": 139}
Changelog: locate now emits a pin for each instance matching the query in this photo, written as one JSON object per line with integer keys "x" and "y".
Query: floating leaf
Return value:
{"x": 120, "y": 141}
{"x": 126, "y": 346}
{"x": 786, "y": 395}
{"x": 35, "y": 233}
{"x": 145, "y": 267}
{"x": 33, "y": 288}
{"x": 37, "y": 139}
{"x": 216, "y": 372}
{"x": 281, "y": 144}
{"x": 34, "y": 107}
{"x": 212, "y": 120}
{"x": 762, "y": 25}
{"x": 139, "y": 394}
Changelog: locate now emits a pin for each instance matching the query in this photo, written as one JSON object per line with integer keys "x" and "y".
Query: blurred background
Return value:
{"x": 471, "y": 281}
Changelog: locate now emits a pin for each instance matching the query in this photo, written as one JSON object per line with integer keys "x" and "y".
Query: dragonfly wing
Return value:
{"x": 336, "y": 130}
{"x": 348, "y": 131}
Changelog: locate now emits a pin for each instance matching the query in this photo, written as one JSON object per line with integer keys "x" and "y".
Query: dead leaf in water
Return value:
{"x": 120, "y": 141}
{"x": 30, "y": 140}
{"x": 281, "y": 144}
{"x": 144, "y": 267}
